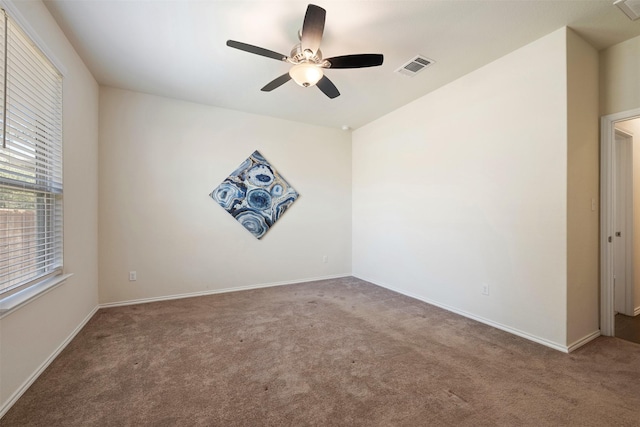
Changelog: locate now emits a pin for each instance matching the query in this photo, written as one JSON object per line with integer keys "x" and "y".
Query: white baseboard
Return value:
{"x": 582, "y": 341}
{"x": 514, "y": 331}
{"x": 218, "y": 291}
{"x": 34, "y": 376}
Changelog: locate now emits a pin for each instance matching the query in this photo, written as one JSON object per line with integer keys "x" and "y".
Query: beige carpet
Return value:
{"x": 331, "y": 353}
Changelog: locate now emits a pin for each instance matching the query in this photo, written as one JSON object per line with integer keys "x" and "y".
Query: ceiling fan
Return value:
{"x": 306, "y": 57}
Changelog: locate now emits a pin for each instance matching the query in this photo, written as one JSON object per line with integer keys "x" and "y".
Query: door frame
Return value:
{"x": 607, "y": 170}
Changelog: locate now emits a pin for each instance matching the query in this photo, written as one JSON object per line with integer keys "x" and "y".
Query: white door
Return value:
{"x": 623, "y": 220}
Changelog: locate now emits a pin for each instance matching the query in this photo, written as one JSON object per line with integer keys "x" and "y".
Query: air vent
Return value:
{"x": 414, "y": 66}
{"x": 631, "y": 8}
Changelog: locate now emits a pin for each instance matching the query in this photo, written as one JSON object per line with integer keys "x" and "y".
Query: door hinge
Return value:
{"x": 609, "y": 239}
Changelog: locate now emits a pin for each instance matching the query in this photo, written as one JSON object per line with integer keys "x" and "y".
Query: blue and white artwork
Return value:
{"x": 255, "y": 195}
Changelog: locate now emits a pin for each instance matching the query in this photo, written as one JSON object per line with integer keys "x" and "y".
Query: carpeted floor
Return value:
{"x": 330, "y": 353}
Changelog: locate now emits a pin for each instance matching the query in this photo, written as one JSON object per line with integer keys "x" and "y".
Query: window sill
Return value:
{"x": 17, "y": 300}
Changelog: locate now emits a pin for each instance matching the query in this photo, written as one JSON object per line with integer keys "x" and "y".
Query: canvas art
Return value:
{"x": 255, "y": 195}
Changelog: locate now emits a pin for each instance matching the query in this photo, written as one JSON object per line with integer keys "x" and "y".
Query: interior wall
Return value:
{"x": 159, "y": 161}
{"x": 467, "y": 186}
{"x": 619, "y": 82}
{"x": 633, "y": 127}
{"x": 30, "y": 335}
{"x": 583, "y": 147}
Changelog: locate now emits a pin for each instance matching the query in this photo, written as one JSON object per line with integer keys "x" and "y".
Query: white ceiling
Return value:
{"x": 177, "y": 48}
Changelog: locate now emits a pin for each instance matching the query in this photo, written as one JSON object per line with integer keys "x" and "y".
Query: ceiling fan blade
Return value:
{"x": 256, "y": 50}
{"x": 312, "y": 28}
{"x": 328, "y": 88}
{"x": 356, "y": 61}
{"x": 276, "y": 83}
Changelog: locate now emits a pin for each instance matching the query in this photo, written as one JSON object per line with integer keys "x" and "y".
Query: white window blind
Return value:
{"x": 30, "y": 162}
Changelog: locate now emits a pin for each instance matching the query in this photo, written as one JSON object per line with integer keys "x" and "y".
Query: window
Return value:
{"x": 30, "y": 162}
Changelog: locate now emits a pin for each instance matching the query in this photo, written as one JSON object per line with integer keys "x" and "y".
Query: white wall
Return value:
{"x": 160, "y": 159}
{"x": 34, "y": 332}
{"x": 467, "y": 186}
{"x": 583, "y": 147}
{"x": 619, "y": 82}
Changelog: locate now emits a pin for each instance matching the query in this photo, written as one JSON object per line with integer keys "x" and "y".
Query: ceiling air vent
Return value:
{"x": 631, "y": 8}
{"x": 414, "y": 66}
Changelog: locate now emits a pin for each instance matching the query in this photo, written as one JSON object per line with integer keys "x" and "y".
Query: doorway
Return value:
{"x": 619, "y": 212}
{"x": 623, "y": 277}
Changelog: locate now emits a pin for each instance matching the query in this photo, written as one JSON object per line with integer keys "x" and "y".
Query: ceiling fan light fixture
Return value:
{"x": 306, "y": 57}
{"x": 306, "y": 74}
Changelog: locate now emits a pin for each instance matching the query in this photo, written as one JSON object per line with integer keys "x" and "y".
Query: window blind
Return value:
{"x": 30, "y": 162}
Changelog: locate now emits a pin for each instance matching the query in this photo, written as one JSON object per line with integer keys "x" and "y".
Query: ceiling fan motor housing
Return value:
{"x": 298, "y": 56}
{"x": 306, "y": 70}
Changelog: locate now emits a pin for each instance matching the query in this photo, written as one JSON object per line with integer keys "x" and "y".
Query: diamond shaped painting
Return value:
{"x": 255, "y": 195}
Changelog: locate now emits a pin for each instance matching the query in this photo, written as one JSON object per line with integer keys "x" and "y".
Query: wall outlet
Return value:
{"x": 325, "y": 259}
{"x": 133, "y": 276}
{"x": 485, "y": 289}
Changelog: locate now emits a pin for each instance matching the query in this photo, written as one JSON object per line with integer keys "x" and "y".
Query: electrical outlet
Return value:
{"x": 133, "y": 276}
{"x": 325, "y": 259}
{"x": 485, "y": 289}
